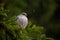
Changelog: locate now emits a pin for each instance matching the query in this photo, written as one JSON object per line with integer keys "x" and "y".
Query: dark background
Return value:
{"x": 44, "y": 13}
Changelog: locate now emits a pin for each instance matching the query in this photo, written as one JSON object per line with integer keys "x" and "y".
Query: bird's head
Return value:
{"x": 23, "y": 13}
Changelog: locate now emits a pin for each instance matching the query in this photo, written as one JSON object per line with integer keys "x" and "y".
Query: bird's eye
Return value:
{"x": 23, "y": 14}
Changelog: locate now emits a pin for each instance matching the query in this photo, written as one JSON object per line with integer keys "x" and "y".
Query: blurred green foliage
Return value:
{"x": 9, "y": 30}
{"x": 14, "y": 32}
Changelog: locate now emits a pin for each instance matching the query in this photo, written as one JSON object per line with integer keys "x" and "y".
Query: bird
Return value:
{"x": 22, "y": 20}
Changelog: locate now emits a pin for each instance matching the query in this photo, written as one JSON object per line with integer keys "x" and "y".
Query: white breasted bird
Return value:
{"x": 22, "y": 20}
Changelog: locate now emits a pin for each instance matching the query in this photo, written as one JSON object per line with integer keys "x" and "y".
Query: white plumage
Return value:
{"x": 22, "y": 20}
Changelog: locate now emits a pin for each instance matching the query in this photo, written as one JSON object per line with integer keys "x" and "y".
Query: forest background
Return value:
{"x": 43, "y": 15}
